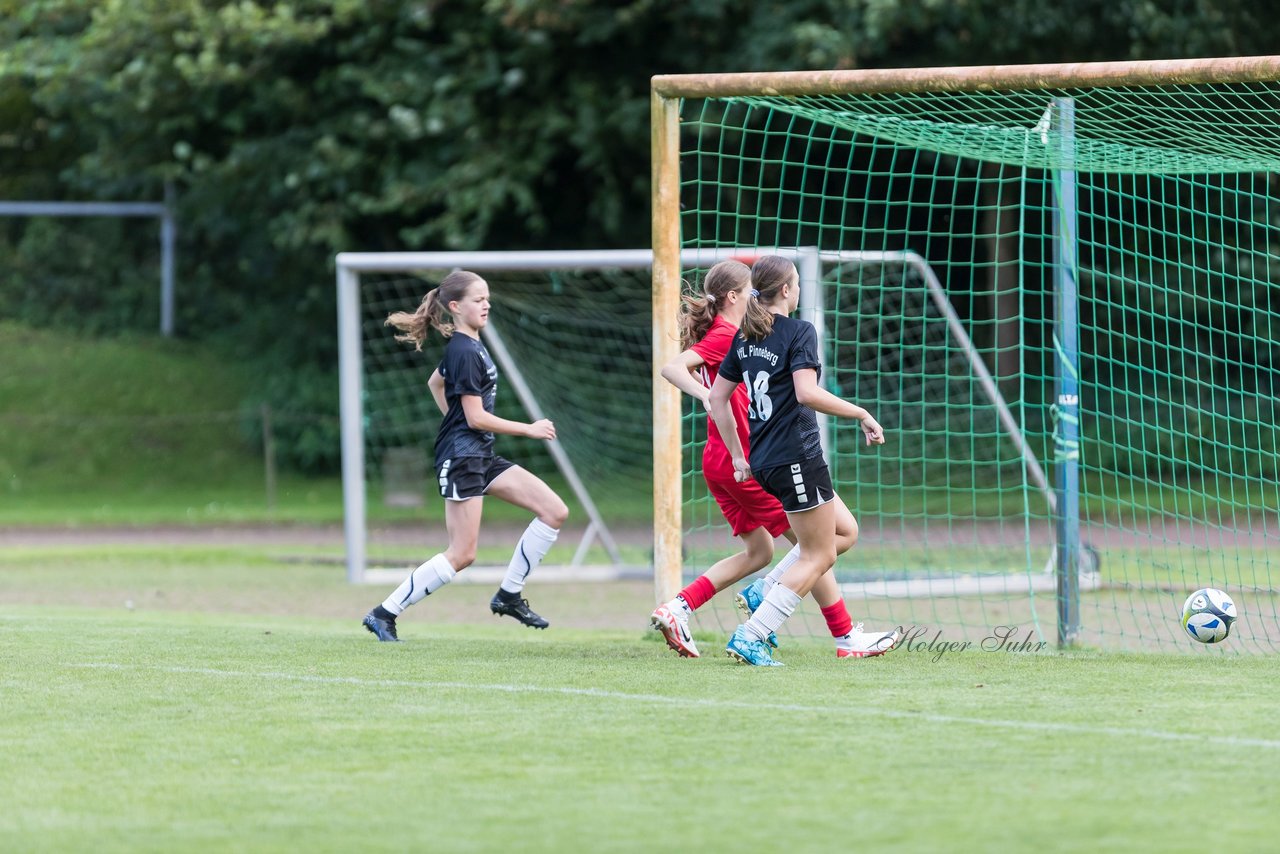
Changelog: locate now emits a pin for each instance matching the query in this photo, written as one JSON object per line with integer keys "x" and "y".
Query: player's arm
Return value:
{"x": 679, "y": 372}
{"x": 722, "y": 414}
{"x": 487, "y": 422}
{"x": 817, "y": 398}
{"x": 436, "y": 384}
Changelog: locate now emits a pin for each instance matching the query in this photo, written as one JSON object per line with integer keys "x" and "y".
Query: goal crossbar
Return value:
{"x": 1237, "y": 69}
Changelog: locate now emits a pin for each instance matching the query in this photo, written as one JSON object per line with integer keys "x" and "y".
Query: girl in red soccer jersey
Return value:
{"x": 708, "y": 323}
{"x": 775, "y": 357}
{"x": 465, "y": 385}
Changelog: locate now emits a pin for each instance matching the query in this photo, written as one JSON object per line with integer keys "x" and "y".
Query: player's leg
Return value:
{"x": 462, "y": 520}
{"x": 815, "y": 530}
{"x": 826, "y": 591}
{"x": 753, "y": 594}
{"x": 750, "y": 597}
{"x": 756, "y": 508}
{"x": 672, "y": 617}
{"x": 846, "y": 536}
{"x": 771, "y": 515}
{"x": 804, "y": 490}
{"x": 520, "y": 487}
{"x": 462, "y": 484}
{"x": 846, "y": 527}
{"x": 851, "y": 641}
{"x": 739, "y": 504}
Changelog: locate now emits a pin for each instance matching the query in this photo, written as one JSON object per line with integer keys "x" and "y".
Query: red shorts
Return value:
{"x": 746, "y": 506}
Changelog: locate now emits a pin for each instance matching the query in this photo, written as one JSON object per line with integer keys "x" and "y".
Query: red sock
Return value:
{"x": 837, "y": 617}
{"x": 697, "y": 593}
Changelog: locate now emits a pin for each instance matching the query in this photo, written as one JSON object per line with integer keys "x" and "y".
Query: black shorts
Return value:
{"x": 799, "y": 486}
{"x": 469, "y": 477}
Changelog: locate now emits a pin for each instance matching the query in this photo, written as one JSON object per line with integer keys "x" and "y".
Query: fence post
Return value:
{"x": 269, "y": 457}
{"x": 168, "y": 236}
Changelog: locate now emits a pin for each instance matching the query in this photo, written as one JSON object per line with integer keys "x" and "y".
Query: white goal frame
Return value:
{"x": 667, "y": 572}
{"x": 350, "y": 266}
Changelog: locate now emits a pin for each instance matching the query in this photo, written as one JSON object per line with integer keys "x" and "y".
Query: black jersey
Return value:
{"x": 783, "y": 431}
{"x": 467, "y": 369}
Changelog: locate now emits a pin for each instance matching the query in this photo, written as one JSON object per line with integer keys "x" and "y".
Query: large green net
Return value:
{"x": 1175, "y": 241}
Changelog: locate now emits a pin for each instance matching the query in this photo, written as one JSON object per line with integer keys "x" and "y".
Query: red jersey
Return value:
{"x": 746, "y": 506}
{"x": 712, "y": 348}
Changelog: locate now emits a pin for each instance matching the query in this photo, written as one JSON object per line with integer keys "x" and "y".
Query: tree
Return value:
{"x": 294, "y": 130}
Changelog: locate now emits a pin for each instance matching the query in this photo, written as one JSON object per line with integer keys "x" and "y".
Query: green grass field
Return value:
{"x": 237, "y": 705}
{"x": 188, "y": 697}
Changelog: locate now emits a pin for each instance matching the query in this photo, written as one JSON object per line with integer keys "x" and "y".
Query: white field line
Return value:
{"x": 994, "y": 723}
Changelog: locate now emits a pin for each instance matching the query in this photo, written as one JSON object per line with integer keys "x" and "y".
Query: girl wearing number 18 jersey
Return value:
{"x": 775, "y": 357}
{"x": 708, "y": 322}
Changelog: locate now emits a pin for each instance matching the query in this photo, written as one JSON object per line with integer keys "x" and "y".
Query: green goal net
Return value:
{"x": 1080, "y": 405}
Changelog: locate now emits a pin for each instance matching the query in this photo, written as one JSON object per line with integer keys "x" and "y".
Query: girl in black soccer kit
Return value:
{"x": 464, "y": 386}
{"x": 776, "y": 358}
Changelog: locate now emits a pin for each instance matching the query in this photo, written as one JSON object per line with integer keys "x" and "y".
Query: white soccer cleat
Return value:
{"x": 863, "y": 644}
{"x": 674, "y": 626}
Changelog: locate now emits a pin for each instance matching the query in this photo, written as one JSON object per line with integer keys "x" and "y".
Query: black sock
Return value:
{"x": 507, "y": 595}
{"x": 383, "y": 614}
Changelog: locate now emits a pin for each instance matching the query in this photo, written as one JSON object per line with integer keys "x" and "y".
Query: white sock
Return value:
{"x": 534, "y": 544}
{"x": 423, "y": 581}
{"x": 773, "y": 612}
{"x": 775, "y": 575}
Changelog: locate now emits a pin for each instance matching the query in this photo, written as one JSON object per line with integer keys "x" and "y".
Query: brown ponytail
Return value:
{"x": 433, "y": 310}
{"x": 698, "y": 311}
{"x": 768, "y": 276}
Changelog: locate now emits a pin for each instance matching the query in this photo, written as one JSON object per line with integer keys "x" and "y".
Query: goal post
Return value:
{"x": 1079, "y": 364}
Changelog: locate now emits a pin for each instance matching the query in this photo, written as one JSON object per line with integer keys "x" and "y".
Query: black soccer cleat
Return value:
{"x": 518, "y": 608}
{"x": 384, "y": 629}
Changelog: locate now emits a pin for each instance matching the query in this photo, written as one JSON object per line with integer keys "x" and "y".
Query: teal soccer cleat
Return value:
{"x": 748, "y": 651}
{"x": 748, "y": 599}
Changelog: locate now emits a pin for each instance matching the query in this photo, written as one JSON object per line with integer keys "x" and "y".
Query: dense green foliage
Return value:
{"x": 293, "y": 130}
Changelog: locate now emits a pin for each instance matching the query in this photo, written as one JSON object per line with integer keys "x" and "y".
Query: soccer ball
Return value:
{"x": 1207, "y": 615}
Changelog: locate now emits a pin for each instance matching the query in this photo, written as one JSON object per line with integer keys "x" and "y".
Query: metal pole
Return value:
{"x": 269, "y": 457}
{"x": 81, "y": 209}
{"x": 349, "y": 401}
{"x": 168, "y": 234}
{"x": 1067, "y": 348}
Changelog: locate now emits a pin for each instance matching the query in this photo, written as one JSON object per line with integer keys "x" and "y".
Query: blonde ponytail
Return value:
{"x": 433, "y": 311}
